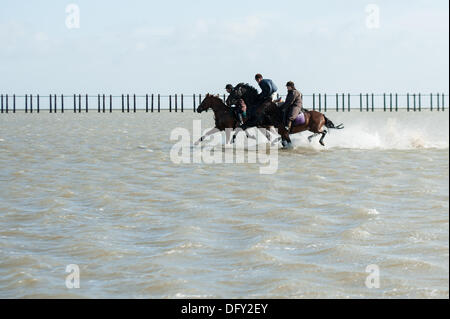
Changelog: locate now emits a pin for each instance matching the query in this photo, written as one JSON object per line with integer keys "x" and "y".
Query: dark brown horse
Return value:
{"x": 224, "y": 117}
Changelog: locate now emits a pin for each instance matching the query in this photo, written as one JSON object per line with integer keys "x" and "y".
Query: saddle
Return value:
{"x": 300, "y": 120}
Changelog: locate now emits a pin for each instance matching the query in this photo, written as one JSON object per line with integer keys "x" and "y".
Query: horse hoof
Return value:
{"x": 322, "y": 143}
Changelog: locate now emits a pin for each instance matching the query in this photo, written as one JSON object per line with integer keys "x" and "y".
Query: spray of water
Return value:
{"x": 386, "y": 133}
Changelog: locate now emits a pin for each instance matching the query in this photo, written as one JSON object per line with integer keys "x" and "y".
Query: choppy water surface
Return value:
{"x": 100, "y": 191}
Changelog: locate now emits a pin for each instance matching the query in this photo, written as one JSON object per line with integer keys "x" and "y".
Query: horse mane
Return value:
{"x": 216, "y": 97}
{"x": 249, "y": 88}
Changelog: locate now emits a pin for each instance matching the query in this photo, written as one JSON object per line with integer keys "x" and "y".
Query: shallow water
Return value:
{"x": 100, "y": 191}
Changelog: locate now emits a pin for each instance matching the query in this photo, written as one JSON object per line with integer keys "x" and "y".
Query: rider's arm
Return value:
{"x": 228, "y": 101}
{"x": 290, "y": 98}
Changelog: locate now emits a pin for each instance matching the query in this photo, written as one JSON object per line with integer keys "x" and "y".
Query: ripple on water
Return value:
{"x": 107, "y": 197}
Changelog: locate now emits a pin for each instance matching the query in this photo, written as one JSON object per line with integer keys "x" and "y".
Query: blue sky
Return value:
{"x": 198, "y": 46}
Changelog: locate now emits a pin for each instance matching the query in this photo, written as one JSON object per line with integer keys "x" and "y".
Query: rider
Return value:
{"x": 268, "y": 88}
{"x": 293, "y": 105}
{"x": 240, "y": 109}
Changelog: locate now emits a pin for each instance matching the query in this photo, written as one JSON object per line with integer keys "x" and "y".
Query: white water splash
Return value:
{"x": 388, "y": 134}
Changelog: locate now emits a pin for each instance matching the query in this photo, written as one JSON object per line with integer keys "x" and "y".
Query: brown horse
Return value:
{"x": 224, "y": 117}
{"x": 270, "y": 114}
{"x": 316, "y": 123}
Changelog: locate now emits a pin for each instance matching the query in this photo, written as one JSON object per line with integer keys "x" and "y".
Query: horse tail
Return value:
{"x": 331, "y": 125}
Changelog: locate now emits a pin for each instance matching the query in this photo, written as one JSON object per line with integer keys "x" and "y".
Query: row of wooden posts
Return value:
{"x": 414, "y": 102}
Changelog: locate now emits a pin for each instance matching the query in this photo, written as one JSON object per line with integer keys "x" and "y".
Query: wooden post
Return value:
{"x": 396, "y": 102}
{"x": 14, "y": 103}
{"x": 348, "y": 102}
{"x": 343, "y": 102}
{"x": 325, "y": 101}
{"x": 384, "y": 102}
{"x": 146, "y": 103}
{"x": 55, "y": 103}
{"x": 182, "y": 103}
{"x": 360, "y": 102}
{"x": 50, "y": 99}
{"x": 415, "y": 108}
{"x": 1, "y": 104}
{"x": 7, "y": 106}
{"x": 390, "y": 102}
{"x": 431, "y": 102}
{"x": 62, "y": 103}
{"x": 87, "y": 103}
{"x": 98, "y": 103}
{"x": 176, "y": 102}
{"x": 320, "y": 102}
{"x": 104, "y": 103}
{"x": 443, "y": 102}
{"x": 74, "y": 103}
{"x": 31, "y": 103}
{"x": 420, "y": 102}
{"x": 128, "y": 103}
{"x": 110, "y": 103}
{"x": 438, "y": 102}
{"x": 337, "y": 102}
{"x": 152, "y": 102}
{"x": 79, "y": 103}
{"x": 373, "y": 102}
{"x": 407, "y": 101}
{"x": 159, "y": 103}
{"x": 314, "y": 101}
{"x": 170, "y": 103}
{"x": 134, "y": 103}
{"x": 200, "y": 100}
{"x": 367, "y": 102}
{"x": 194, "y": 105}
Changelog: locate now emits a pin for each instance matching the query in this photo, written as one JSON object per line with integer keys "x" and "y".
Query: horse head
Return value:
{"x": 209, "y": 101}
{"x": 244, "y": 91}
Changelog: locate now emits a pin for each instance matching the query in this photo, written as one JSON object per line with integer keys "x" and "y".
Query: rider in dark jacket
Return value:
{"x": 268, "y": 88}
{"x": 240, "y": 110}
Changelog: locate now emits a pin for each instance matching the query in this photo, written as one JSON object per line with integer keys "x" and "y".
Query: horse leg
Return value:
{"x": 236, "y": 133}
{"x": 210, "y": 132}
{"x": 228, "y": 136}
{"x": 312, "y": 136}
{"x": 266, "y": 132}
{"x": 324, "y": 133}
{"x": 286, "y": 140}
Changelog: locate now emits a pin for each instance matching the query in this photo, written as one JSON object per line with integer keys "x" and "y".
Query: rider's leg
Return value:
{"x": 295, "y": 111}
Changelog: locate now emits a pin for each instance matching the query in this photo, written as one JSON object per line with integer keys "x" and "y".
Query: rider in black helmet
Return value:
{"x": 239, "y": 110}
